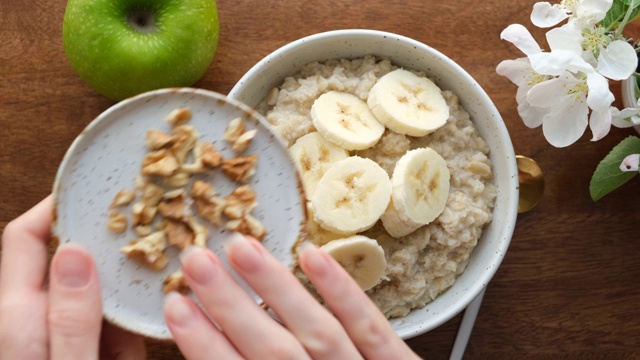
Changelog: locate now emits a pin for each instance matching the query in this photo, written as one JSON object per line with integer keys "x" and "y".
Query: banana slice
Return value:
{"x": 420, "y": 184}
{"x": 313, "y": 155}
{"x": 351, "y": 196}
{"x": 316, "y": 234}
{"x": 345, "y": 120}
{"x": 408, "y": 104}
{"x": 362, "y": 257}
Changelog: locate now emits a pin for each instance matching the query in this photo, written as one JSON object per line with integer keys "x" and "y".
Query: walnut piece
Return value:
{"x": 178, "y": 116}
{"x": 143, "y": 214}
{"x": 123, "y": 198}
{"x": 179, "y": 233}
{"x": 240, "y": 202}
{"x": 157, "y": 139}
{"x": 206, "y": 158}
{"x": 234, "y": 129}
{"x": 152, "y": 194}
{"x": 117, "y": 222}
{"x": 242, "y": 143}
{"x": 160, "y": 162}
{"x": 177, "y": 180}
{"x": 176, "y": 282}
{"x": 173, "y": 204}
{"x": 149, "y": 251}
{"x": 143, "y": 230}
{"x": 247, "y": 225}
{"x": 240, "y": 168}
{"x": 207, "y": 202}
{"x": 185, "y": 138}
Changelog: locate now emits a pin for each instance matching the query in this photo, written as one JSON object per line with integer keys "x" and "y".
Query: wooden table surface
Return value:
{"x": 568, "y": 287}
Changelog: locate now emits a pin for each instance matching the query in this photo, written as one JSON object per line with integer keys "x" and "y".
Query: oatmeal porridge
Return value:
{"x": 425, "y": 262}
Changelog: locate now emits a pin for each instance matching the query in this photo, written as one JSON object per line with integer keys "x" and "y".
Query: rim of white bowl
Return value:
{"x": 511, "y": 203}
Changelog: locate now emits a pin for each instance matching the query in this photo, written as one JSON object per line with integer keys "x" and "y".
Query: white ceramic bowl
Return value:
{"x": 402, "y": 51}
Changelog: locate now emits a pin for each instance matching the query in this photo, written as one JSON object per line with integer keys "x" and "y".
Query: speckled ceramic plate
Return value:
{"x": 107, "y": 157}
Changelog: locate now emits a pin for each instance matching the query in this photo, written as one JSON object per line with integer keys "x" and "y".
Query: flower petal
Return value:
{"x": 519, "y": 36}
{"x": 599, "y": 96}
{"x": 545, "y": 15}
{"x": 566, "y": 122}
{"x": 591, "y": 12}
{"x": 618, "y": 60}
{"x": 600, "y": 123}
{"x": 557, "y": 62}
{"x": 551, "y": 92}
{"x": 630, "y": 163}
{"x": 531, "y": 116}
{"x": 624, "y": 118}
{"x": 518, "y": 71}
{"x": 566, "y": 37}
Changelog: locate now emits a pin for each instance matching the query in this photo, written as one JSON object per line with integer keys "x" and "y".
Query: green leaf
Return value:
{"x": 617, "y": 12}
{"x": 608, "y": 175}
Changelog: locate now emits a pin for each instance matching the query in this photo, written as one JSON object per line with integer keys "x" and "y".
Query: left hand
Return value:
{"x": 64, "y": 319}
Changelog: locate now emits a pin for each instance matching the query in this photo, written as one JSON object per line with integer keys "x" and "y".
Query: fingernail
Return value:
{"x": 72, "y": 266}
{"x": 200, "y": 265}
{"x": 243, "y": 253}
{"x": 313, "y": 260}
{"x": 177, "y": 310}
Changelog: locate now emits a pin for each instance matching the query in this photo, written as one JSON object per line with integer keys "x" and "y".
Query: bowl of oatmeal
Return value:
{"x": 435, "y": 267}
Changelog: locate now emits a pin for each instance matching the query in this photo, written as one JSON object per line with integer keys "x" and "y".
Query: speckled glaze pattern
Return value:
{"x": 408, "y": 53}
{"x": 107, "y": 157}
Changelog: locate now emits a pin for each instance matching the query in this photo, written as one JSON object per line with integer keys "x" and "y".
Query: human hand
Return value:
{"x": 64, "y": 319}
{"x": 356, "y": 329}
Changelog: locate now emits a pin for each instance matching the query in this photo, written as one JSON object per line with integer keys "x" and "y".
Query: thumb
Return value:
{"x": 75, "y": 306}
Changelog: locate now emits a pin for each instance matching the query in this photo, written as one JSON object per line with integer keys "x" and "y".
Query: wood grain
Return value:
{"x": 568, "y": 287}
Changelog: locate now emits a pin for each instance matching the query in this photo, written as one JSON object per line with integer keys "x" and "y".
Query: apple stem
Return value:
{"x": 142, "y": 21}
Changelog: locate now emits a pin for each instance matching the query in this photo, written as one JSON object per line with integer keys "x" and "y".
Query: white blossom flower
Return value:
{"x": 626, "y": 117}
{"x": 520, "y": 73}
{"x": 583, "y": 12}
{"x": 630, "y": 163}
{"x": 567, "y": 87}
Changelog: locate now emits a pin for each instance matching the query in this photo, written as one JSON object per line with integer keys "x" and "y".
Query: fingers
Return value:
{"x": 367, "y": 327}
{"x": 318, "y": 331}
{"x": 24, "y": 252}
{"x": 75, "y": 307}
{"x": 244, "y": 323}
{"x": 118, "y": 344}
{"x": 192, "y": 331}
{"x": 23, "y": 300}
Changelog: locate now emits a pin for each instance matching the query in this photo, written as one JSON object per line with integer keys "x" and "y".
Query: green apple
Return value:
{"x": 126, "y": 47}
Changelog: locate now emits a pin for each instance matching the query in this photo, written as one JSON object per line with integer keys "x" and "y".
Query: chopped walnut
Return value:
{"x": 149, "y": 250}
{"x": 160, "y": 162}
{"x": 234, "y": 129}
{"x": 208, "y": 204}
{"x": 178, "y": 116}
{"x": 241, "y": 202}
{"x": 242, "y": 143}
{"x": 143, "y": 230}
{"x": 176, "y": 282}
{"x": 143, "y": 214}
{"x": 117, "y": 222}
{"x": 240, "y": 168}
{"x": 185, "y": 138}
{"x": 247, "y": 225}
{"x": 177, "y": 180}
{"x": 152, "y": 194}
{"x": 157, "y": 139}
{"x": 173, "y": 204}
{"x": 179, "y": 233}
{"x": 206, "y": 158}
{"x": 123, "y": 198}
{"x": 201, "y": 232}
